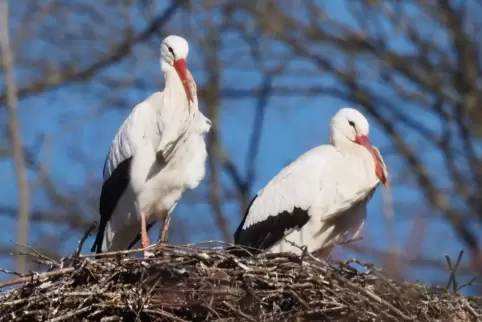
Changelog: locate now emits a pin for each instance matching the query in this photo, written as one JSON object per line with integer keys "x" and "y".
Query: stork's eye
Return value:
{"x": 171, "y": 51}
{"x": 351, "y": 123}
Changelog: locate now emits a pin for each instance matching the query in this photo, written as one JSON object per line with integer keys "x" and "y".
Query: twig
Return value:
{"x": 469, "y": 283}
{"x": 46, "y": 263}
{"x": 453, "y": 270}
{"x": 238, "y": 312}
{"x": 472, "y": 311}
{"x": 191, "y": 247}
{"x": 36, "y": 277}
{"x": 210, "y": 309}
{"x": 373, "y": 297}
{"x": 6, "y": 271}
{"x": 375, "y": 271}
{"x": 145, "y": 298}
{"x": 207, "y": 242}
{"x": 70, "y": 315}
{"x": 299, "y": 299}
{"x": 165, "y": 314}
{"x": 116, "y": 253}
{"x": 367, "y": 293}
{"x": 83, "y": 239}
{"x": 7, "y": 61}
{"x": 36, "y": 253}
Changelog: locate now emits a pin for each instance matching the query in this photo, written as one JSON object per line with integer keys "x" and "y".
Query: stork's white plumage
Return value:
{"x": 319, "y": 199}
{"x": 158, "y": 153}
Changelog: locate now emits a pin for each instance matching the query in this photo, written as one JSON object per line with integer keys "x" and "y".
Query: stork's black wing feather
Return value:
{"x": 240, "y": 227}
{"x": 112, "y": 190}
{"x": 264, "y": 234}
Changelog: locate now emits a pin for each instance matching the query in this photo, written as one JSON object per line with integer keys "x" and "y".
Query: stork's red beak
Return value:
{"x": 180, "y": 66}
{"x": 363, "y": 140}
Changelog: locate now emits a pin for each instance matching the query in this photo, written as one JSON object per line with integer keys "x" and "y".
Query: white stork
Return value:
{"x": 320, "y": 198}
{"x": 158, "y": 153}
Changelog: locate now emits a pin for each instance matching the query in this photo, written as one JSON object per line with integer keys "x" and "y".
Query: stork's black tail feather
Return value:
{"x": 97, "y": 245}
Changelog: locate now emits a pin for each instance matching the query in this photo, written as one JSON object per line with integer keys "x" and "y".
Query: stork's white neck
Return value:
{"x": 173, "y": 85}
{"x": 357, "y": 156}
{"x": 174, "y": 90}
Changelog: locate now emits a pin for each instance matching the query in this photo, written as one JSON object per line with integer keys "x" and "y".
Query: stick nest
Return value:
{"x": 208, "y": 284}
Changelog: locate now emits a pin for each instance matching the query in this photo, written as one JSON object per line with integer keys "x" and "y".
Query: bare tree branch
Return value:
{"x": 15, "y": 134}
{"x": 56, "y": 78}
{"x": 254, "y": 143}
{"x": 212, "y": 100}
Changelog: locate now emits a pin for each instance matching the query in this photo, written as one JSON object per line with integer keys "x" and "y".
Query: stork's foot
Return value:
{"x": 145, "y": 244}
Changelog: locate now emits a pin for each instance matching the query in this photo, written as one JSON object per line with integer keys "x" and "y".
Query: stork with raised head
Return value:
{"x": 158, "y": 153}
{"x": 320, "y": 199}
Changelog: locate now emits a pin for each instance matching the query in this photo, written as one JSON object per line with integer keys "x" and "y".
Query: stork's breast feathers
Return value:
{"x": 189, "y": 160}
{"x": 203, "y": 124}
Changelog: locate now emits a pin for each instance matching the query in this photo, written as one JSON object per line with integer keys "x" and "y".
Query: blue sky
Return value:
{"x": 74, "y": 118}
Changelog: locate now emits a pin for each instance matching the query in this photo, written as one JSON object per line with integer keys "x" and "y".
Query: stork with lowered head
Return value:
{"x": 320, "y": 199}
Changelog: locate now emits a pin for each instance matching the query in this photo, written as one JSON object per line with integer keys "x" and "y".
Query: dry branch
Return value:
{"x": 197, "y": 284}
{"x": 14, "y": 132}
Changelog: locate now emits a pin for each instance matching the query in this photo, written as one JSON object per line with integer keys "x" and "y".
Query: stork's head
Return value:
{"x": 174, "y": 50}
{"x": 350, "y": 126}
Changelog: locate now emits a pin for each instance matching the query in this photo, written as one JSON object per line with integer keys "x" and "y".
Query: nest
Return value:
{"x": 208, "y": 284}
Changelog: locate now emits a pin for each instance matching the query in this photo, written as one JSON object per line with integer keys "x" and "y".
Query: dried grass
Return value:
{"x": 206, "y": 284}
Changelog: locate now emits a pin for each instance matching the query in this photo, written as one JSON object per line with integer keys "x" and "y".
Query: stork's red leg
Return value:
{"x": 144, "y": 236}
{"x": 165, "y": 231}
